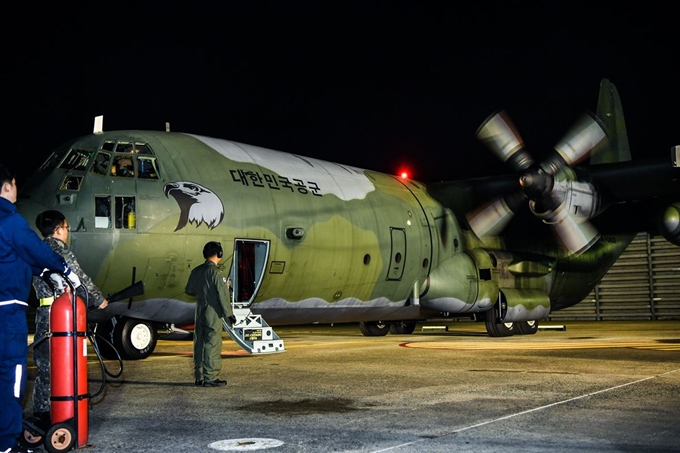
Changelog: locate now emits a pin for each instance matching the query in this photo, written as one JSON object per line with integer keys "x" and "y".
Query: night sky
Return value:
{"x": 376, "y": 85}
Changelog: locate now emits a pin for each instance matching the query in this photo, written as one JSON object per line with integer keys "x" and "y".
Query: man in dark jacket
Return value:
{"x": 213, "y": 303}
{"x": 22, "y": 254}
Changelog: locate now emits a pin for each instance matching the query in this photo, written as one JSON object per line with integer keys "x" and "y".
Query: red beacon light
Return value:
{"x": 404, "y": 173}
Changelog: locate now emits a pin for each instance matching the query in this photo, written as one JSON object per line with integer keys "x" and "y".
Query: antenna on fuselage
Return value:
{"x": 167, "y": 127}
{"x": 98, "y": 124}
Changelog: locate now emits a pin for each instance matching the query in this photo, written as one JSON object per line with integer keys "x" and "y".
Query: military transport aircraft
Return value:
{"x": 309, "y": 241}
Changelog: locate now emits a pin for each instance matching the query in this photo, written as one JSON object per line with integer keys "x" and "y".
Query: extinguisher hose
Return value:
{"x": 105, "y": 370}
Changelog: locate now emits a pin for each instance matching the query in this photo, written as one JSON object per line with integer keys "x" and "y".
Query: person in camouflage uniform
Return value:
{"x": 55, "y": 231}
{"x": 213, "y": 303}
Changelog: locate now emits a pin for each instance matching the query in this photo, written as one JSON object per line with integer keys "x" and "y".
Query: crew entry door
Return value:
{"x": 247, "y": 270}
{"x": 249, "y": 330}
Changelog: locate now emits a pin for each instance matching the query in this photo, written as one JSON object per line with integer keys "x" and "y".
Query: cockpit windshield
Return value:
{"x": 128, "y": 160}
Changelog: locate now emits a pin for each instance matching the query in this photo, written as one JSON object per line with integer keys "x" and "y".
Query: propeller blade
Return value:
{"x": 500, "y": 136}
{"x": 490, "y": 220}
{"x": 584, "y": 136}
{"x": 537, "y": 182}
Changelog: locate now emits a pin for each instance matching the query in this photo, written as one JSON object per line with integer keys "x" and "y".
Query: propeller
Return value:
{"x": 537, "y": 185}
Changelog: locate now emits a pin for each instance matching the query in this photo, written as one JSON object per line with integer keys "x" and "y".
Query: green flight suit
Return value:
{"x": 213, "y": 303}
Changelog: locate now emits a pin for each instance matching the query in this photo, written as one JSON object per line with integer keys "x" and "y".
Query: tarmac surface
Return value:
{"x": 594, "y": 387}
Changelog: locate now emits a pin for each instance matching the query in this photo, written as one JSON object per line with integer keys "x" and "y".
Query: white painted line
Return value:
{"x": 248, "y": 444}
{"x": 488, "y": 422}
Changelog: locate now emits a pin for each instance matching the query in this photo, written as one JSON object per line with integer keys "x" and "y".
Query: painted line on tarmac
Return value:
{"x": 528, "y": 411}
{"x": 541, "y": 345}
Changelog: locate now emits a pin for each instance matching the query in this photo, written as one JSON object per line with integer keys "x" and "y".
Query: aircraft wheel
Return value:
{"x": 403, "y": 327}
{"x": 60, "y": 437}
{"x": 135, "y": 339}
{"x": 526, "y": 327}
{"x": 503, "y": 329}
{"x": 374, "y": 328}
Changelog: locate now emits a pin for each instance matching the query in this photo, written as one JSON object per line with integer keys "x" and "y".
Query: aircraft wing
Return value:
{"x": 170, "y": 311}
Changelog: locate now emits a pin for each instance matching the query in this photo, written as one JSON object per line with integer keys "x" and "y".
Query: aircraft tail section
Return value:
{"x": 610, "y": 112}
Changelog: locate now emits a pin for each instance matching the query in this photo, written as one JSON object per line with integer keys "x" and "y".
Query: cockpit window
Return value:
{"x": 124, "y": 147}
{"x": 122, "y": 166}
{"x": 55, "y": 157}
{"x": 130, "y": 159}
{"x": 76, "y": 159}
{"x": 148, "y": 167}
{"x": 71, "y": 182}
{"x": 142, "y": 149}
{"x": 109, "y": 145}
{"x": 101, "y": 163}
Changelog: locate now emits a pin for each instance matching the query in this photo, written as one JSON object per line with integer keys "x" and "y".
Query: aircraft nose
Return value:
{"x": 29, "y": 207}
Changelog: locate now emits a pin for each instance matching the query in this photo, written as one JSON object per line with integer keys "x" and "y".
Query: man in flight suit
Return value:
{"x": 22, "y": 254}
{"x": 213, "y": 303}
{"x": 55, "y": 231}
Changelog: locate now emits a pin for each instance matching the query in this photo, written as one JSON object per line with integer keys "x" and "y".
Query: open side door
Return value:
{"x": 250, "y": 331}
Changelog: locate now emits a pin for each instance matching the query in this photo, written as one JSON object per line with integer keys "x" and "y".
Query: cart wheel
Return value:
{"x": 33, "y": 435}
{"x": 60, "y": 437}
{"x": 32, "y": 439}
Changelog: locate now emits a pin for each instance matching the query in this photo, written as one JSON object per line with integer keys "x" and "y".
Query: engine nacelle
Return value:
{"x": 466, "y": 282}
{"x": 474, "y": 281}
{"x": 522, "y": 305}
{"x": 579, "y": 198}
{"x": 669, "y": 223}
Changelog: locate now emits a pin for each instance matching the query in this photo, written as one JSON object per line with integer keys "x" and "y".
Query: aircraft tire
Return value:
{"x": 526, "y": 327}
{"x": 403, "y": 327}
{"x": 502, "y": 329}
{"x": 134, "y": 339}
{"x": 374, "y": 328}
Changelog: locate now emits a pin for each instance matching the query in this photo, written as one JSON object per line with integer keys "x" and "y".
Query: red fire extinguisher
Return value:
{"x": 68, "y": 373}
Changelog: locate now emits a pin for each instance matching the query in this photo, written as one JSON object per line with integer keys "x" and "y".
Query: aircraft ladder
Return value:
{"x": 252, "y": 333}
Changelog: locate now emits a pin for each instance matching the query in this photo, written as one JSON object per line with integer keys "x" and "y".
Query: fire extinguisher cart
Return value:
{"x": 68, "y": 378}
{"x": 69, "y": 405}
{"x": 68, "y": 353}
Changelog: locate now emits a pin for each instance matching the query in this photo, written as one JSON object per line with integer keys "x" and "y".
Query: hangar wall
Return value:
{"x": 643, "y": 284}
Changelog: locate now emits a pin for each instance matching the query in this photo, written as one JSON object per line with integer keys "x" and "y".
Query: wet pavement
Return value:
{"x": 594, "y": 387}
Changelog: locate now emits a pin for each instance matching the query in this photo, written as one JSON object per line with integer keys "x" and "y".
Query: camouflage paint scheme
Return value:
{"x": 370, "y": 247}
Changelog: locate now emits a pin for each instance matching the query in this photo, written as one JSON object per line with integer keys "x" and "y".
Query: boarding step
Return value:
{"x": 252, "y": 333}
